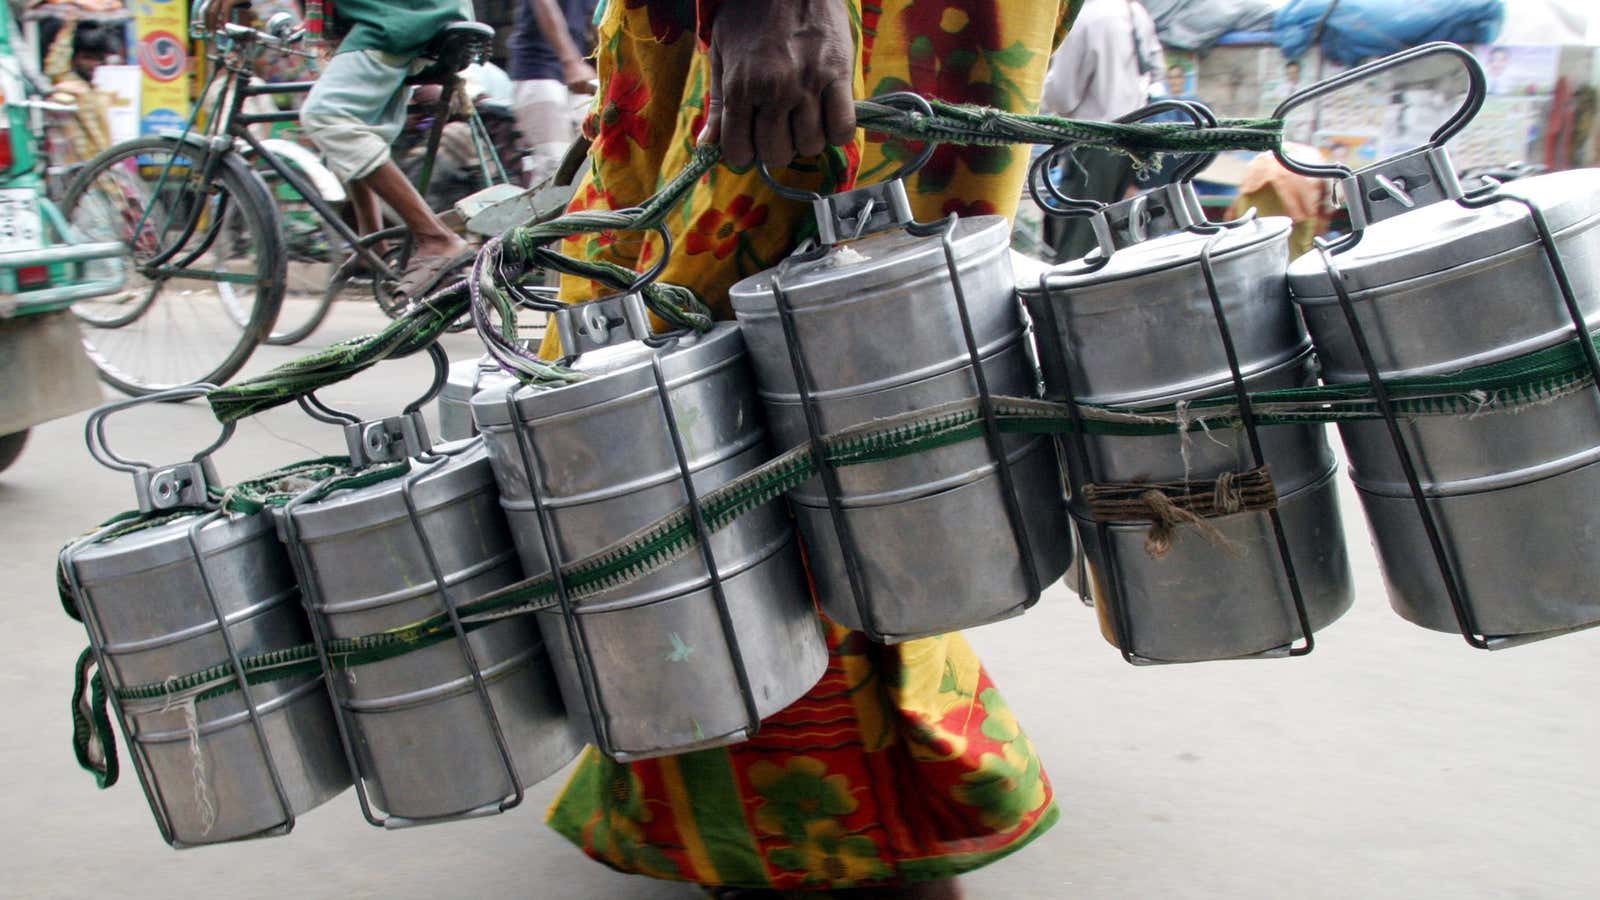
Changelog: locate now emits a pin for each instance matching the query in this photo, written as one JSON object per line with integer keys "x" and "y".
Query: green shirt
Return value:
{"x": 399, "y": 28}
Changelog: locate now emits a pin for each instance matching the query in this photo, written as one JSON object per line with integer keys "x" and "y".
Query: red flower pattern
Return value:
{"x": 620, "y": 121}
{"x": 717, "y": 231}
{"x": 948, "y": 41}
{"x": 975, "y": 208}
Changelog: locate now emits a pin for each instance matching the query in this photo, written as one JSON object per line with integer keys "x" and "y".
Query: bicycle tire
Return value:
{"x": 11, "y": 447}
{"x": 113, "y": 180}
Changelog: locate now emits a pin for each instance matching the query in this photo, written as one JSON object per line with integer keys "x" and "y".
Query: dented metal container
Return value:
{"x": 210, "y": 773}
{"x": 653, "y": 666}
{"x": 429, "y": 743}
{"x": 879, "y": 331}
{"x": 1447, "y": 287}
{"x": 1137, "y": 330}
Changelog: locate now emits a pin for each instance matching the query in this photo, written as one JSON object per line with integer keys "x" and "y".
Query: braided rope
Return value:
{"x": 527, "y": 246}
{"x": 1503, "y": 387}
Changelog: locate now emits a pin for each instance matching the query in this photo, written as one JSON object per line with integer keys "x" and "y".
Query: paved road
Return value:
{"x": 1393, "y": 762}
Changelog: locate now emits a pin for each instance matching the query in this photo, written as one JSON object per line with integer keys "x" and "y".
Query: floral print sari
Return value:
{"x": 904, "y": 763}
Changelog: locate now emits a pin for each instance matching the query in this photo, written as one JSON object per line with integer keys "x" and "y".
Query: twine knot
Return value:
{"x": 1168, "y": 506}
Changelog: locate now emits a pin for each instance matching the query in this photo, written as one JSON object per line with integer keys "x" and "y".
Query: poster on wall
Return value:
{"x": 161, "y": 27}
{"x": 1519, "y": 70}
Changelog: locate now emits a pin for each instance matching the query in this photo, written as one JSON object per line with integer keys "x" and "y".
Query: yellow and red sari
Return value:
{"x": 904, "y": 763}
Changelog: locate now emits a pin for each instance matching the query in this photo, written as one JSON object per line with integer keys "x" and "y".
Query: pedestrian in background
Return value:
{"x": 548, "y": 45}
{"x": 1104, "y": 69}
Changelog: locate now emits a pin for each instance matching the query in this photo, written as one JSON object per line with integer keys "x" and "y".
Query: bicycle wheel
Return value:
{"x": 193, "y": 251}
{"x": 11, "y": 447}
{"x": 353, "y": 275}
{"x": 314, "y": 250}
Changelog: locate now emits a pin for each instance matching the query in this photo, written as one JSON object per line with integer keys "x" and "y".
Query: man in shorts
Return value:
{"x": 357, "y": 109}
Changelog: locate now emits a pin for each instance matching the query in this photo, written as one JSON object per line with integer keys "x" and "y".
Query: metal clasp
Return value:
{"x": 601, "y": 323}
{"x": 1161, "y": 211}
{"x": 171, "y": 487}
{"x": 387, "y": 440}
{"x": 865, "y": 210}
{"x": 391, "y": 438}
{"x": 1387, "y": 189}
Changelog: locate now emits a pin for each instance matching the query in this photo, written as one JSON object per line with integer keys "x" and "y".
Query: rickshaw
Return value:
{"x": 45, "y": 372}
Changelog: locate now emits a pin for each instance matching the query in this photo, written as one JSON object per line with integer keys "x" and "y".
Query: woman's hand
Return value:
{"x": 782, "y": 76}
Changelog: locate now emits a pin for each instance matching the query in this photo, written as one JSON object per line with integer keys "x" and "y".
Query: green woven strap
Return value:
{"x": 312, "y": 478}
{"x": 960, "y": 124}
{"x": 1498, "y": 387}
{"x": 530, "y": 245}
{"x": 93, "y": 741}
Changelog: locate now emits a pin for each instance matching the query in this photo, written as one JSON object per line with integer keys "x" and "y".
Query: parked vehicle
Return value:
{"x": 43, "y": 364}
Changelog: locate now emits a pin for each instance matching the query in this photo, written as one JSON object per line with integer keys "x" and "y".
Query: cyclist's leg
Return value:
{"x": 369, "y": 211}
{"x": 356, "y": 109}
{"x": 353, "y": 114}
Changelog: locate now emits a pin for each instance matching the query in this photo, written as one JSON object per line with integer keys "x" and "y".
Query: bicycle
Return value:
{"x": 207, "y": 260}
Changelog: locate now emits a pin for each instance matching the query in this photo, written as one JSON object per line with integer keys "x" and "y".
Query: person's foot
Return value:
{"x": 445, "y": 244}
{"x": 428, "y": 269}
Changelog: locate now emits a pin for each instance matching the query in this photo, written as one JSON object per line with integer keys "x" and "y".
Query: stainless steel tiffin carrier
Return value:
{"x": 608, "y": 560}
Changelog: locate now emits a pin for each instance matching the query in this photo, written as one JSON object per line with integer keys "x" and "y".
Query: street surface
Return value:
{"x": 1393, "y": 762}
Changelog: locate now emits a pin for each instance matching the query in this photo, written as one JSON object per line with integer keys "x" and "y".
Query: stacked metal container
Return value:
{"x": 439, "y": 731}
{"x": 695, "y": 653}
{"x": 1136, "y": 328}
{"x": 189, "y": 591}
{"x": 466, "y": 379}
{"x": 1436, "y": 290}
{"x": 929, "y": 543}
{"x": 459, "y": 727}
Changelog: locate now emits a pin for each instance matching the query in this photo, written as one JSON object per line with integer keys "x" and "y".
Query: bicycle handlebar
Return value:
{"x": 282, "y": 31}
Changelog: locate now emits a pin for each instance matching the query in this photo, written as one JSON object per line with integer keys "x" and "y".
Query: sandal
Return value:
{"x": 426, "y": 273}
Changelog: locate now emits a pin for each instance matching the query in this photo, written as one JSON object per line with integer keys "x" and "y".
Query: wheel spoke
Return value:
{"x": 198, "y": 314}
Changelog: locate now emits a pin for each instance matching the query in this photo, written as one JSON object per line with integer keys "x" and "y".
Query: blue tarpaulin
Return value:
{"x": 1361, "y": 29}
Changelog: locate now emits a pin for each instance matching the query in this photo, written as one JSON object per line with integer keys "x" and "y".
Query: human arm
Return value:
{"x": 575, "y": 70}
{"x": 58, "y": 59}
{"x": 782, "y": 78}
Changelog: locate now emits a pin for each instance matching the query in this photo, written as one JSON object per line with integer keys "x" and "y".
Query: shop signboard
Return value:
{"x": 161, "y": 27}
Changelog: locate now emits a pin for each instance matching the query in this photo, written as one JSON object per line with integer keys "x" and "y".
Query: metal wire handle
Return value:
{"x": 1062, "y": 204}
{"x": 317, "y": 409}
{"x": 509, "y": 354}
{"x": 1477, "y": 90}
{"x": 94, "y": 430}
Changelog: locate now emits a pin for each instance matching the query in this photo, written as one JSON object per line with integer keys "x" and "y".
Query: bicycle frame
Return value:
{"x": 231, "y": 125}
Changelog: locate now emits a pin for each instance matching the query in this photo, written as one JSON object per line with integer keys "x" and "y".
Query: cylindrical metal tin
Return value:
{"x": 667, "y": 676}
{"x": 1445, "y": 288}
{"x": 1225, "y": 595}
{"x": 466, "y": 378}
{"x": 424, "y": 741}
{"x": 1139, "y": 331}
{"x": 147, "y": 608}
{"x": 878, "y": 326}
{"x": 1198, "y": 603}
{"x": 1140, "y": 325}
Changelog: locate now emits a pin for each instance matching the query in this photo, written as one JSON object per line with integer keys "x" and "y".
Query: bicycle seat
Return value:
{"x": 459, "y": 45}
